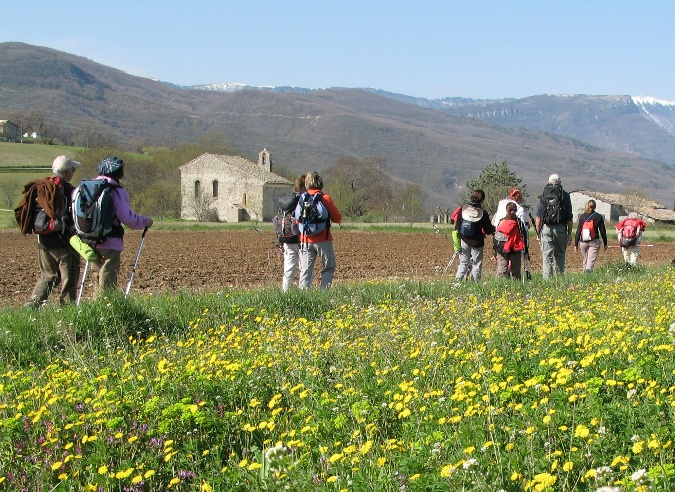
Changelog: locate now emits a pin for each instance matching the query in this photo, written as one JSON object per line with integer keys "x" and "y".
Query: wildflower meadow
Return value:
{"x": 396, "y": 386}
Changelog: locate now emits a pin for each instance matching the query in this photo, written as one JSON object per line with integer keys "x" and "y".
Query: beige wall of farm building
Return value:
{"x": 230, "y": 188}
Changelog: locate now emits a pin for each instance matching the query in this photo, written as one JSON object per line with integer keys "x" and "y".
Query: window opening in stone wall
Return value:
{"x": 244, "y": 199}
{"x": 215, "y": 188}
{"x": 198, "y": 188}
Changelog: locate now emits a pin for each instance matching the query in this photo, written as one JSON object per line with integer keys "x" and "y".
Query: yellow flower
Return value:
{"x": 56, "y": 465}
{"x": 148, "y": 473}
{"x": 331, "y": 479}
{"x": 254, "y": 466}
{"x": 381, "y": 461}
{"x": 637, "y": 447}
{"x": 137, "y": 479}
{"x": 174, "y": 481}
{"x": 335, "y": 457}
{"x": 90, "y": 487}
{"x": 366, "y": 447}
{"x": 102, "y": 470}
{"x": 206, "y": 487}
{"x": 568, "y": 466}
{"x": 581, "y": 431}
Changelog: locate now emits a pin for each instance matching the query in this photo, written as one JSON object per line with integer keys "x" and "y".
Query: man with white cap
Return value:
{"x": 59, "y": 264}
{"x": 554, "y": 220}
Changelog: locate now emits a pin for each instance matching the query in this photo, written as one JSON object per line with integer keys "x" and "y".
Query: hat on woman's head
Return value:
{"x": 554, "y": 179}
{"x": 110, "y": 165}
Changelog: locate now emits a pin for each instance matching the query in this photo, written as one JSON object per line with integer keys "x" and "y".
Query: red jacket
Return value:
{"x": 514, "y": 241}
{"x": 334, "y": 216}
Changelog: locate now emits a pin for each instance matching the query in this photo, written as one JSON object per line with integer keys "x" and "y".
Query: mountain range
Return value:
{"x": 604, "y": 143}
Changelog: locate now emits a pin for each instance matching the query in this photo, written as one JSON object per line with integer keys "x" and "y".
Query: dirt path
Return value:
{"x": 172, "y": 261}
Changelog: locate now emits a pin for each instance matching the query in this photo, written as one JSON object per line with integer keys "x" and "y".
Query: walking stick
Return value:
{"x": 138, "y": 256}
{"x": 84, "y": 276}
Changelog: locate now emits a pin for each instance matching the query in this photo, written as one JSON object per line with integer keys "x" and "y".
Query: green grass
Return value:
{"x": 422, "y": 386}
{"x": 33, "y": 155}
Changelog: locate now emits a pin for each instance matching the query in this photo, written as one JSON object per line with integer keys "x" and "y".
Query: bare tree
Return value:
{"x": 10, "y": 190}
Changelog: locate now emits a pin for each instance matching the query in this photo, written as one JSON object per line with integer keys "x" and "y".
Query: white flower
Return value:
{"x": 470, "y": 463}
{"x": 276, "y": 453}
{"x": 639, "y": 476}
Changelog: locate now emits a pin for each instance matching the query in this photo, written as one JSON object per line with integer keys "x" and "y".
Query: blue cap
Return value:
{"x": 110, "y": 165}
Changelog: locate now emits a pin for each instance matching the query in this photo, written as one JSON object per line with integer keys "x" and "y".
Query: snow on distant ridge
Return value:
{"x": 659, "y": 111}
{"x": 642, "y": 100}
{"x": 223, "y": 86}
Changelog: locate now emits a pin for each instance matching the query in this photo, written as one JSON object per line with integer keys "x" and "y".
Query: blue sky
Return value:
{"x": 433, "y": 49}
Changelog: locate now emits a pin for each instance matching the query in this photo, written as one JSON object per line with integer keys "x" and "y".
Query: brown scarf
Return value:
{"x": 46, "y": 192}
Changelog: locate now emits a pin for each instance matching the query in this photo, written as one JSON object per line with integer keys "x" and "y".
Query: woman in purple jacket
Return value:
{"x": 106, "y": 269}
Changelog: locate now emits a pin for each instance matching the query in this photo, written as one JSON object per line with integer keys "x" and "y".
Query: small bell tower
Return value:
{"x": 264, "y": 160}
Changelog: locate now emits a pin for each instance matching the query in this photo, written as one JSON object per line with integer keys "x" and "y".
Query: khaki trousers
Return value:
{"x": 57, "y": 266}
{"x": 105, "y": 270}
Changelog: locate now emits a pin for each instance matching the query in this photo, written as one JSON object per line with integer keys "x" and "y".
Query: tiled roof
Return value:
{"x": 648, "y": 208}
{"x": 241, "y": 164}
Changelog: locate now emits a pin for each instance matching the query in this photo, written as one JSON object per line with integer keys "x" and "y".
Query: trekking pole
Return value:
{"x": 84, "y": 276}
{"x": 138, "y": 257}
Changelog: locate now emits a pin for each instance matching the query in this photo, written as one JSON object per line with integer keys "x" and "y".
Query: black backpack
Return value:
{"x": 553, "y": 207}
{"x": 285, "y": 225}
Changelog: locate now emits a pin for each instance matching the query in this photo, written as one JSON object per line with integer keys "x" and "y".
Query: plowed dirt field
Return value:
{"x": 174, "y": 261}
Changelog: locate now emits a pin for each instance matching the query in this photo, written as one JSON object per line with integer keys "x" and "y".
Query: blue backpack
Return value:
{"x": 312, "y": 215}
{"x": 93, "y": 211}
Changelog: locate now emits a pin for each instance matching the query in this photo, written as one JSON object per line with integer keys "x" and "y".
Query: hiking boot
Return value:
{"x": 33, "y": 303}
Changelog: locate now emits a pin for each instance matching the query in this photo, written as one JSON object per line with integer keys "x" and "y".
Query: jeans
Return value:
{"x": 291, "y": 262}
{"x": 553, "y": 247}
{"x": 509, "y": 265}
{"x": 589, "y": 253}
{"x": 308, "y": 254}
{"x": 470, "y": 257}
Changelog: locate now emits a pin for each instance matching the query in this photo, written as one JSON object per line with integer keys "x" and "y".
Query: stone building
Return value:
{"x": 230, "y": 188}
{"x": 9, "y": 132}
{"x": 615, "y": 207}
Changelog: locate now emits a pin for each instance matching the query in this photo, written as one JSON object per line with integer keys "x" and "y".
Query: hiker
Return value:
{"x": 315, "y": 212}
{"x": 516, "y": 196}
{"x": 630, "y": 235}
{"x": 59, "y": 264}
{"x": 106, "y": 269}
{"x": 590, "y": 229}
{"x": 553, "y": 225}
{"x": 511, "y": 232}
{"x": 289, "y": 241}
{"x": 472, "y": 223}
{"x": 455, "y": 213}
